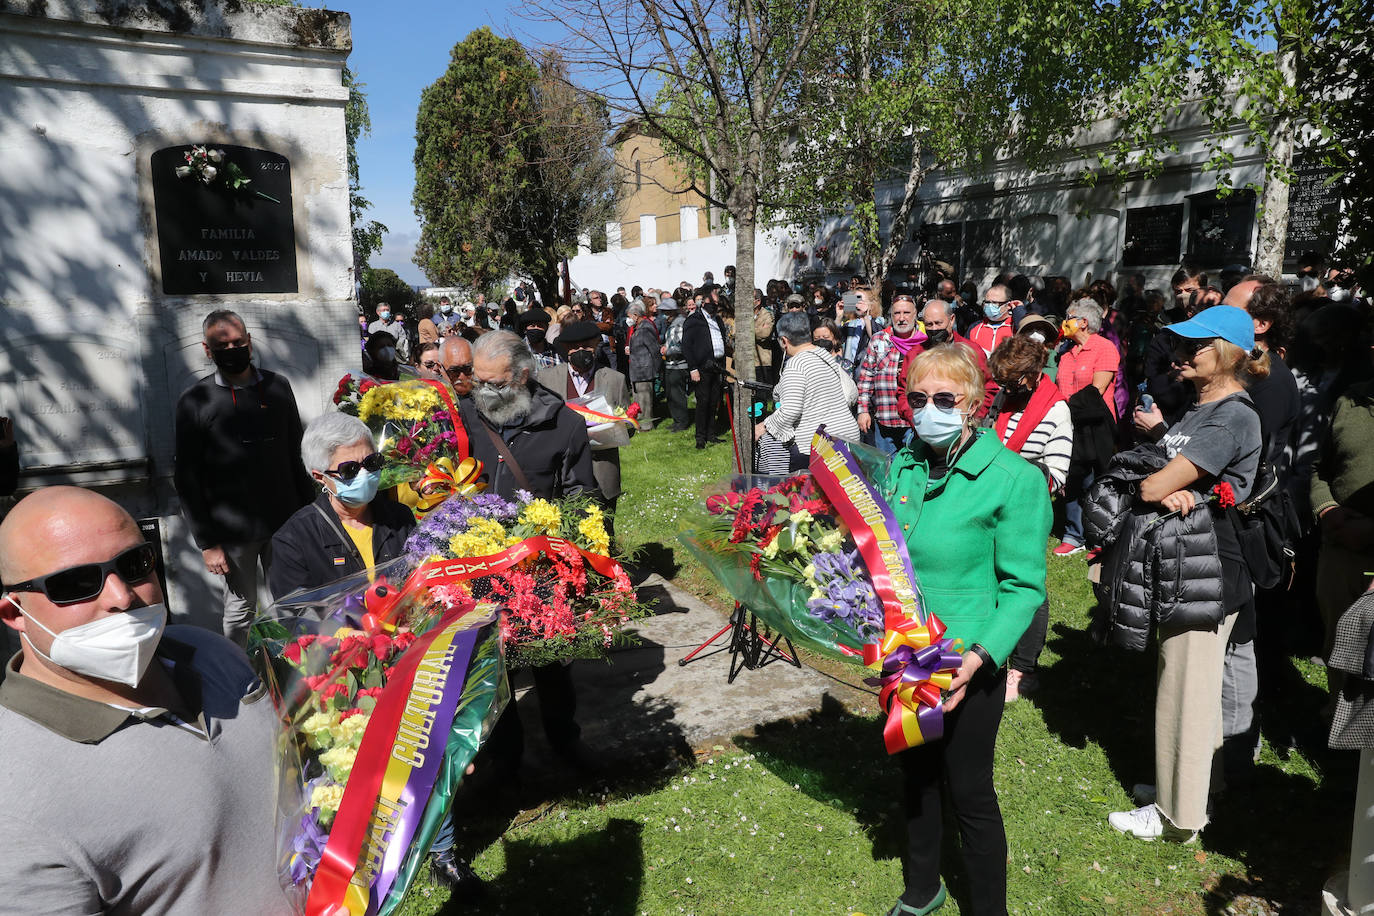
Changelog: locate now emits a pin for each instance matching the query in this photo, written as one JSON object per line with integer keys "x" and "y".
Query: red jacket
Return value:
{"x": 989, "y": 386}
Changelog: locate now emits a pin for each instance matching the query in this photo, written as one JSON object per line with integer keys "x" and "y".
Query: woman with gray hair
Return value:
{"x": 349, "y": 528}
{"x": 813, "y": 391}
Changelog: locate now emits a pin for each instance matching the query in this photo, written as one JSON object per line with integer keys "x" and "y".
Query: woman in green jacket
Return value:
{"x": 976, "y": 517}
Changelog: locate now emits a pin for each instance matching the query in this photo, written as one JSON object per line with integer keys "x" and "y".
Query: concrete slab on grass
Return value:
{"x": 644, "y": 702}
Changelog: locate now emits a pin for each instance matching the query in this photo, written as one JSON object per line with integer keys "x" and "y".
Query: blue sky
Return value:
{"x": 399, "y": 48}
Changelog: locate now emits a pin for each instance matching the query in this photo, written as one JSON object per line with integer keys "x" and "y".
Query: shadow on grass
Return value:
{"x": 1103, "y": 695}
{"x": 600, "y": 872}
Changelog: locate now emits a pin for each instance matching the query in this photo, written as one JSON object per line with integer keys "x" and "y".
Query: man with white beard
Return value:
{"x": 527, "y": 439}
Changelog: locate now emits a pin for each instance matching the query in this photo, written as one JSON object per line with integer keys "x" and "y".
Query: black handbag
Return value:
{"x": 1267, "y": 524}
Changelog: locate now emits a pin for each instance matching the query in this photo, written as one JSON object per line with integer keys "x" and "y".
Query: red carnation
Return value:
{"x": 317, "y": 682}
{"x": 718, "y": 504}
{"x": 405, "y": 446}
{"x": 366, "y": 386}
{"x": 1226, "y": 497}
{"x": 632, "y": 411}
{"x": 373, "y": 692}
{"x": 349, "y": 713}
{"x": 334, "y": 690}
{"x": 292, "y": 653}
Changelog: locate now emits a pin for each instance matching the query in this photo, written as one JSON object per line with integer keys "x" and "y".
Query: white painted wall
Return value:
{"x": 665, "y": 266}
{"x": 95, "y": 354}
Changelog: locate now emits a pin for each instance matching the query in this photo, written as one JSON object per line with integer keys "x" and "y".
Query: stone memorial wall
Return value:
{"x": 114, "y": 246}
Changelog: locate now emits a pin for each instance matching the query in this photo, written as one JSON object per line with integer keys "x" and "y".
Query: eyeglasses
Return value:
{"x": 84, "y": 582}
{"x": 944, "y": 400}
{"x": 994, "y": 303}
{"x": 903, "y": 298}
{"x": 431, "y": 365}
{"x": 454, "y": 371}
{"x": 347, "y": 470}
{"x": 1189, "y": 347}
{"x": 492, "y": 386}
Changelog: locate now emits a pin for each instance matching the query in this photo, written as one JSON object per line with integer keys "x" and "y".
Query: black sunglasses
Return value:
{"x": 1192, "y": 346}
{"x": 84, "y": 582}
{"x": 431, "y": 365}
{"x": 347, "y": 470}
{"x": 944, "y": 400}
{"x": 454, "y": 371}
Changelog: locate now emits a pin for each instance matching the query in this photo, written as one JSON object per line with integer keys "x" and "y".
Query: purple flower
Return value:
{"x": 432, "y": 535}
{"x": 849, "y": 596}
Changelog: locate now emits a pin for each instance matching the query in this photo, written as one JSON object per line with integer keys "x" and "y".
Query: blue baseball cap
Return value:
{"x": 1231, "y": 324}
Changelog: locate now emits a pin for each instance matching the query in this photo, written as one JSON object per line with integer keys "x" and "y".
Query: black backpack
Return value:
{"x": 1267, "y": 524}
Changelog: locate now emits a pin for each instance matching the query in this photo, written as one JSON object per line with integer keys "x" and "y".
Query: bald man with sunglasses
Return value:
{"x": 138, "y": 757}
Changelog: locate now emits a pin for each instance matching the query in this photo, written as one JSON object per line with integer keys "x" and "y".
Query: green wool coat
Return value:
{"x": 977, "y": 539}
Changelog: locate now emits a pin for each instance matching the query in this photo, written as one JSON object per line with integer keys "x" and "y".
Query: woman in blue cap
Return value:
{"x": 1217, "y": 441}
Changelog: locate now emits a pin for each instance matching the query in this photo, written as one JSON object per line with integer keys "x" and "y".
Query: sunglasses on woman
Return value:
{"x": 84, "y": 582}
{"x": 944, "y": 400}
{"x": 1188, "y": 347}
{"x": 347, "y": 470}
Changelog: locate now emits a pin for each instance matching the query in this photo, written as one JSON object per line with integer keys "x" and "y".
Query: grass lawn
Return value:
{"x": 804, "y": 817}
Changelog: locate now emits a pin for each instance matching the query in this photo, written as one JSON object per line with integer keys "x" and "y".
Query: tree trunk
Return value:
{"x": 741, "y": 418}
{"x": 901, "y": 217}
{"x": 1273, "y": 204}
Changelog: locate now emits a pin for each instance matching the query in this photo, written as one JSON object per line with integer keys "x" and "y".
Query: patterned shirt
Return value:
{"x": 878, "y": 380}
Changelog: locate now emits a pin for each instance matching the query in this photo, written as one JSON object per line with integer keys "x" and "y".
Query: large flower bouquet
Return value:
{"x": 819, "y": 558}
{"x": 419, "y": 434}
{"x": 545, "y": 562}
{"x": 385, "y": 696}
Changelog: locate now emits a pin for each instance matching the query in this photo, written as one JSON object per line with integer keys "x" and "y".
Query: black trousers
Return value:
{"x": 959, "y": 768}
{"x": 1027, "y": 652}
{"x": 708, "y": 402}
{"x": 557, "y": 706}
{"x": 675, "y": 387}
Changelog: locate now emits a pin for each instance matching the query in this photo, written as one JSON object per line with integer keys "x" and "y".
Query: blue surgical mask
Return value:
{"x": 937, "y": 428}
{"x": 992, "y": 312}
{"x": 384, "y": 315}
{"x": 359, "y": 491}
{"x": 447, "y": 308}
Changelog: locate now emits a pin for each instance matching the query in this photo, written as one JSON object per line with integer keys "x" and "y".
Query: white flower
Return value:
{"x": 215, "y": 155}
{"x": 208, "y": 174}
{"x": 183, "y": 171}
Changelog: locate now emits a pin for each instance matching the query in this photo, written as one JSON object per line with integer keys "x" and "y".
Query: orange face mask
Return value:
{"x": 1069, "y": 327}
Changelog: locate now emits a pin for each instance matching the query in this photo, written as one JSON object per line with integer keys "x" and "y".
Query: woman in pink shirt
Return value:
{"x": 1091, "y": 358}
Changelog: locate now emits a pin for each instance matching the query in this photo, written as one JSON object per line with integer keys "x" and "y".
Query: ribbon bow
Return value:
{"x": 918, "y": 663}
{"x": 442, "y": 480}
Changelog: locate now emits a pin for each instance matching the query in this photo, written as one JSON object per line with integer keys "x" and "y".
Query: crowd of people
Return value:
{"x": 1211, "y": 446}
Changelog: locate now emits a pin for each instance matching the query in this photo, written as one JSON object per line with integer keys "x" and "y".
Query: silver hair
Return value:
{"x": 505, "y": 345}
{"x": 795, "y": 327}
{"x": 328, "y": 433}
{"x": 929, "y": 302}
{"x": 635, "y": 309}
{"x": 1089, "y": 311}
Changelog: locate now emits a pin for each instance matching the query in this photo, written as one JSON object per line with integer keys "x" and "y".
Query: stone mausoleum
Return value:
{"x": 110, "y": 257}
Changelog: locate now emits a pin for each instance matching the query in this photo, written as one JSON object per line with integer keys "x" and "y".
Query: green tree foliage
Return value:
{"x": 367, "y": 234}
{"x": 382, "y": 284}
{"x": 898, "y": 90}
{"x": 1341, "y": 75}
{"x": 1241, "y": 66}
{"x": 511, "y": 165}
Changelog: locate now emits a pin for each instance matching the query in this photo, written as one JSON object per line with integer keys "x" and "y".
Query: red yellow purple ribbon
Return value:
{"x": 442, "y": 480}
{"x": 916, "y": 660}
{"x": 394, "y": 771}
{"x": 598, "y": 417}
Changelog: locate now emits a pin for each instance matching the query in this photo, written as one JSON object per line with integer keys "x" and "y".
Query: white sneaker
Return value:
{"x": 1146, "y": 823}
{"x": 1144, "y": 793}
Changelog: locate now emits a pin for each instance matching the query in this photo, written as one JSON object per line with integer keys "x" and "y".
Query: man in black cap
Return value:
{"x": 581, "y": 376}
{"x": 534, "y": 324}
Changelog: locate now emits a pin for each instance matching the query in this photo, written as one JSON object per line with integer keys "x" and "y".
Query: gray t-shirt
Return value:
{"x": 1223, "y": 439}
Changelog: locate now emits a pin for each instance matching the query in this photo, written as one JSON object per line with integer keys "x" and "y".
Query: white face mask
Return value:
{"x": 117, "y": 647}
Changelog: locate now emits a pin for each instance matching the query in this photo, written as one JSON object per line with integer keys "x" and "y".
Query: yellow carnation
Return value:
{"x": 327, "y": 799}
{"x": 831, "y": 542}
{"x": 317, "y": 728}
{"x": 543, "y": 515}
{"x": 350, "y": 730}
{"x": 481, "y": 538}
{"x": 338, "y": 761}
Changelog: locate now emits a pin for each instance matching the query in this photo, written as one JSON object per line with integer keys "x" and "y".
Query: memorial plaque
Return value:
{"x": 1314, "y": 208}
{"x": 1154, "y": 235}
{"x": 1220, "y": 229}
{"x": 224, "y": 222}
{"x": 943, "y": 241}
{"x": 75, "y": 399}
{"x": 984, "y": 243}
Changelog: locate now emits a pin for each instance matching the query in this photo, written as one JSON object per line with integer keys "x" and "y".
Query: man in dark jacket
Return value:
{"x": 238, "y": 465}
{"x": 580, "y": 376}
{"x": 527, "y": 439}
{"x": 703, "y": 348}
